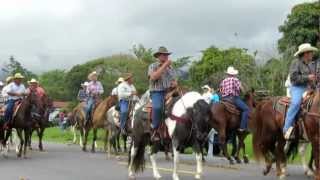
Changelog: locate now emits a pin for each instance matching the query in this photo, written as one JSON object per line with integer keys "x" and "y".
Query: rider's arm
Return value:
{"x": 100, "y": 88}
{"x": 298, "y": 77}
{"x": 155, "y": 74}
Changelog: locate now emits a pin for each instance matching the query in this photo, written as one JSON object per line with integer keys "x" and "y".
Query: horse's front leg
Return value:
{"x": 176, "y": 153}
{"x": 153, "y": 160}
{"x": 224, "y": 146}
{"x": 41, "y": 132}
{"x": 74, "y": 132}
{"x": 199, "y": 166}
{"x": 132, "y": 154}
{"x": 27, "y": 137}
{"x": 19, "y": 153}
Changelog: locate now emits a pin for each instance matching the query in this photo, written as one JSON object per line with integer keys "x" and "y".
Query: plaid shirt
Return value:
{"x": 230, "y": 87}
{"x": 163, "y": 83}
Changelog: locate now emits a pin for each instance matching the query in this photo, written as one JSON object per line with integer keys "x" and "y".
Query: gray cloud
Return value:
{"x": 59, "y": 34}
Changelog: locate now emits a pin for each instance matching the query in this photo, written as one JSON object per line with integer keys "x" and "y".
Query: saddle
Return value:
{"x": 230, "y": 107}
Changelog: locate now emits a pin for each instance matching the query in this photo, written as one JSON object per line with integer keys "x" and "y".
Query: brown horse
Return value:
{"x": 227, "y": 123}
{"x": 312, "y": 126}
{"x": 77, "y": 121}
{"x": 22, "y": 122}
{"x": 99, "y": 120}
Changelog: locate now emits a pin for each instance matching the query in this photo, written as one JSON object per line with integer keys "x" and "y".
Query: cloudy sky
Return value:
{"x": 49, "y": 34}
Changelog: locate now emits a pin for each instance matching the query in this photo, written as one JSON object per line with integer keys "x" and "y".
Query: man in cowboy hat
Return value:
{"x": 300, "y": 76}
{"x": 230, "y": 89}
{"x": 161, "y": 78}
{"x": 94, "y": 91}
{"x": 34, "y": 86}
{"x": 5, "y": 88}
{"x": 114, "y": 91}
{"x": 126, "y": 92}
{"x": 82, "y": 94}
{"x": 15, "y": 91}
{"x": 207, "y": 94}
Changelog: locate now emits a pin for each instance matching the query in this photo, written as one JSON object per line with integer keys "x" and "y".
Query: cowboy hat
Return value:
{"x": 161, "y": 50}
{"x": 1, "y": 83}
{"x": 33, "y": 81}
{"x": 9, "y": 79}
{"x": 306, "y": 47}
{"x": 18, "y": 76}
{"x": 94, "y": 73}
{"x": 120, "y": 80}
{"x": 127, "y": 76}
{"x": 232, "y": 71}
{"x": 206, "y": 87}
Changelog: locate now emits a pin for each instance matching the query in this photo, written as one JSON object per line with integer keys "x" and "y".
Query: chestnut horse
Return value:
{"x": 226, "y": 123}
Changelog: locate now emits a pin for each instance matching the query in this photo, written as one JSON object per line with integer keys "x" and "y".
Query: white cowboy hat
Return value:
{"x": 33, "y": 81}
{"x": 94, "y": 73}
{"x": 232, "y": 71}
{"x": 306, "y": 47}
{"x": 18, "y": 76}
{"x": 1, "y": 83}
{"x": 9, "y": 79}
{"x": 206, "y": 87}
{"x": 120, "y": 80}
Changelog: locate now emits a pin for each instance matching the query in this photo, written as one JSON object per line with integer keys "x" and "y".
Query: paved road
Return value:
{"x": 68, "y": 162}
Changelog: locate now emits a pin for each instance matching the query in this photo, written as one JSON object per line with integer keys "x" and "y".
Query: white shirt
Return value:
{"x": 125, "y": 90}
{"x": 114, "y": 91}
{"x": 14, "y": 88}
{"x": 207, "y": 97}
{"x": 4, "y": 91}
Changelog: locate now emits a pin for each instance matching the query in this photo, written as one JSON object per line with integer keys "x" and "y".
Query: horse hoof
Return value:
{"x": 197, "y": 176}
{"x": 309, "y": 173}
{"x": 282, "y": 177}
{"x": 157, "y": 176}
{"x": 175, "y": 177}
{"x": 131, "y": 177}
{"x": 266, "y": 172}
{"x": 93, "y": 151}
{"x": 246, "y": 160}
{"x": 231, "y": 162}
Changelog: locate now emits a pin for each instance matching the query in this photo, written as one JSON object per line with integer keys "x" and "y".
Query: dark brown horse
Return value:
{"x": 227, "y": 123}
{"x": 312, "y": 126}
{"x": 42, "y": 122}
{"x": 22, "y": 122}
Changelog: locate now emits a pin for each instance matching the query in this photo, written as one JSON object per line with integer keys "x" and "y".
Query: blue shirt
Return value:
{"x": 215, "y": 98}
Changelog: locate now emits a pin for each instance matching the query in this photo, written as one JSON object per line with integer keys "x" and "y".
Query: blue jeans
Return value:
{"x": 294, "y": 108}
{"x": 158, "y": 98}
{"x": 90, "y": 104}
{"x": 124, "y": 107}
{"x": 9, "y": 110}
{"x": 244, "y": 111}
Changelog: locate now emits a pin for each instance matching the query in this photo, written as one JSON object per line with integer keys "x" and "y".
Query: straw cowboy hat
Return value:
{"x": 9, "y": 79}
{"x": 161, "y": 50}
{"x": 18, "y": 76}
{"x": 206, "y": 87}
{"x": 120, "y": 80}
{"x": 306, "y": 47}
{"x": 232, "y": 71}
{"x": 91, "y": 75}
{"x": 1, "y": 83}
{"x": 33, "y": 81}
{"x": 127, "y": 76}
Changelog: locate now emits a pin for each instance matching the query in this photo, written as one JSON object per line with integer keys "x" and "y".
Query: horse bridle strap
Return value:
{"x": 179, "y": 119}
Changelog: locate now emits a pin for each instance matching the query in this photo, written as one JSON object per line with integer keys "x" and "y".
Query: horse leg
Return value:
{"x": 27, "y": 133}
{"x": 21, "y": 143}
{"x": 41, "y": 132}
{"x": 242, "y": 146}
{"x": 280, "y": 159}
{"x": 316, "y": 156}
{"x": 175, "y": 175}
{"x": 199, "y": 165}
{"x": 153, "y": 160}
{"x": 74, "y": 132}
{"x": 117, "y": 141}
{"x": 302, "y": 152}
{"x": 86, "y": 132}
{"x": 81, "y": 137}
{"x": 124, "y": 138}
{"x": 222, "y": 139}
{"x": 132, "y": 154}
{"x": 94, "y": 140}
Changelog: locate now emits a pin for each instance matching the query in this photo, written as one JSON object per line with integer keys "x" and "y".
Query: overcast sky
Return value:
{"x": 45, "y": 34}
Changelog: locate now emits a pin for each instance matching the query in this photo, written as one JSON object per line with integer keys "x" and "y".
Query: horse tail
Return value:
{"x": 138, "y": 161}
{"x": 292, "y": 151}
{"x": 257, "y": 133}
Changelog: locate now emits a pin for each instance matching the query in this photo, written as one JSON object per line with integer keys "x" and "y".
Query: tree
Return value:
{"x": 143, "y": 54}
{"x": 301, "y": 26}
{"x": 55, "y": 85}
{"x": 14, "y": 66}
{"x": 214, "y": 62}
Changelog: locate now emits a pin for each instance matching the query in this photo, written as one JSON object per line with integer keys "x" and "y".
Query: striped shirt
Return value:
{"x": 164, "y": 81}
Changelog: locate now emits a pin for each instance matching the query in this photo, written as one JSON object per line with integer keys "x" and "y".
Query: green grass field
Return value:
{"x": 55, "y": 134}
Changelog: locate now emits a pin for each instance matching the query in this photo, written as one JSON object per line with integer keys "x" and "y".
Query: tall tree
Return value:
{"x": 301, "y": 25}
{"x": 14, "y": 66}
{"x": 143, "y": 54}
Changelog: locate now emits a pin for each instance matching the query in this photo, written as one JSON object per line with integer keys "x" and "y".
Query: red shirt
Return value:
{"x": 230, "y": 87}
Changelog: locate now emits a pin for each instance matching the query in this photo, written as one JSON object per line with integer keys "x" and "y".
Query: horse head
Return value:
{"x": 201, "y": 115}
{"x": 34, "y": 104}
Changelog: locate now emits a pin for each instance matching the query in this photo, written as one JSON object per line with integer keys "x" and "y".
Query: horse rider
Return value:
{"x": 1, "y": 96}
{"x": 207, "y": 93}
{"x": 230, "y": 89}
{"x": 300, "y": 76}
{"x": 114, "y": 91}
{"x": 161, "y": 78}
{"x": 5, "y": 89}
{"x": 126, "y": 92}
{"x": 82, "y": 93}
{"x": 34, "y": 86}
{"x": 94, "y": 91}
{"x": 16, "y": 91}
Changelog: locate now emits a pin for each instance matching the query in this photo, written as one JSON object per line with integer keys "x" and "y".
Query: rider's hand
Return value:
{"x": 167, "y": 63}
{"x": 311, "y": 77}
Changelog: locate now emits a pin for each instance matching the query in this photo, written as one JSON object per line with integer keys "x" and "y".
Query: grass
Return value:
{"x": 55, "y": 134}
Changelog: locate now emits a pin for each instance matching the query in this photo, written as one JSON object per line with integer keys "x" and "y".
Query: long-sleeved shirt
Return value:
{"x": 230, "y": 87}
{"x": 299, "y": 72}
{"x": 164, "y": 82}
{"x": 14, "y": 88}
{"x": 125, "y": 90}
{"x": 94, "y": 88}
